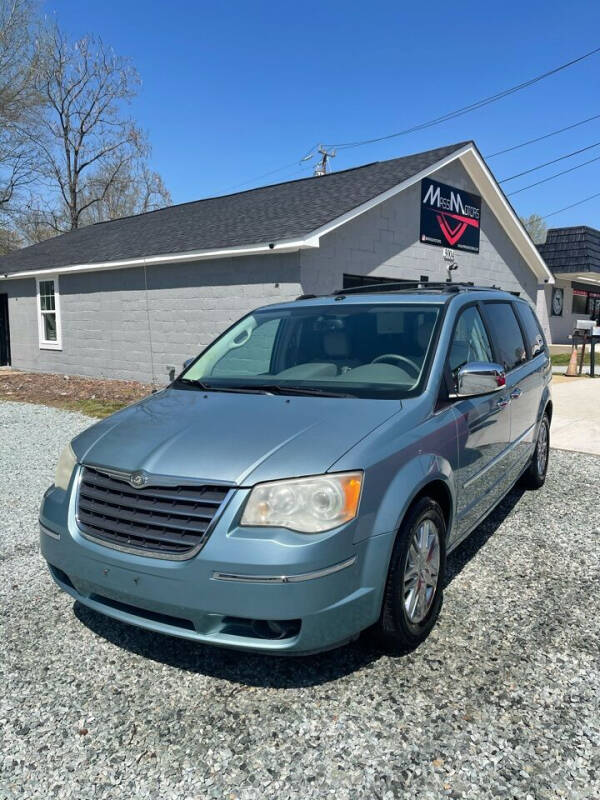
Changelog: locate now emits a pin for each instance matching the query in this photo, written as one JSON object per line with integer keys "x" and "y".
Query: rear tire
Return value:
{"x": 534, "y": 476}
{"x": 411, "y": 602}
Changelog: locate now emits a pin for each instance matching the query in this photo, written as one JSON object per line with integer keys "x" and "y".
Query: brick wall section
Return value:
{"x": 191, "y": 303}
{"x": 105, "y": 317}
{"x": 385, "y": 241}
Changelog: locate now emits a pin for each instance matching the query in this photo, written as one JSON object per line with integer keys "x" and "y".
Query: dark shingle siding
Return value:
{"x": 259, "y": 216}
{"x": 575, "y": 249}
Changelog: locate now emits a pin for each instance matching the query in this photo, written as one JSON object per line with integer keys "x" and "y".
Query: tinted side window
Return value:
{"x": 470, "y": 341}
{"x": 535, "y": 340}
{"x": 506, "y": 334}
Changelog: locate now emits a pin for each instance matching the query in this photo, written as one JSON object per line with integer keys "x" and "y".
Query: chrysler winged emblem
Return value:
{"x": 138, "y": 479}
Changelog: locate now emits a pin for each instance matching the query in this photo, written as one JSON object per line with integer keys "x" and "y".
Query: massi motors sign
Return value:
{"x": 449, "y": 217}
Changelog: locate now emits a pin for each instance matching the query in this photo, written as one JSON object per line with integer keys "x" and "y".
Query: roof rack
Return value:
{"x": 406, "y": 286}
{"x": 410, "y": 286}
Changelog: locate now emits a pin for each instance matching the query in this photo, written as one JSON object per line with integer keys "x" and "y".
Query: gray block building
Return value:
{"x": 573, "y": 256}
{"x": 133, "y": 298}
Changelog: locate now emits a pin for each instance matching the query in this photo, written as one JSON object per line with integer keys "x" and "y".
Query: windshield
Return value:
{"x": 359, "y": 350}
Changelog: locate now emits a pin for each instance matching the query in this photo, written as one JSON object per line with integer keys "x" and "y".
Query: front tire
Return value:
{"x": 534, "y": 476}
{"x": 414, "y": 586}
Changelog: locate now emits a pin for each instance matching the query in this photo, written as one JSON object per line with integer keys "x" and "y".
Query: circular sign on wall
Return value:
{"x": 557, "y": 301}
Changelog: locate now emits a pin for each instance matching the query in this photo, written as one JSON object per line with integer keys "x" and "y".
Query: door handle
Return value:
{"x": 503, "y": 402}
{"x": 515, "y": 394}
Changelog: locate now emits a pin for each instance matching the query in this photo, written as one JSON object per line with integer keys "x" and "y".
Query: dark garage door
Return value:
{"x": 352, "y": 281}
{"x": 4, "y": 332}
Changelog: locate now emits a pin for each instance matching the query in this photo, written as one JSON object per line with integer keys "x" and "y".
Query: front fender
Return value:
{"x": 407, "y": 484}
{"x": 399, "y": 461}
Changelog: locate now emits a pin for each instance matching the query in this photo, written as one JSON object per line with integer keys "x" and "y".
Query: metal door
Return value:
{"x": 483, "y": 426}
{"x": 483, "y": 441}
{"x": 4, "y": 332}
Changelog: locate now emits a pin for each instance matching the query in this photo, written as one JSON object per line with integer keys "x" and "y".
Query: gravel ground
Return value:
{"x": 502, "y": 701}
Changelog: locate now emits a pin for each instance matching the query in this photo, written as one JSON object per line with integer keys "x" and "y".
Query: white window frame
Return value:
{"x": 44, "y": 343}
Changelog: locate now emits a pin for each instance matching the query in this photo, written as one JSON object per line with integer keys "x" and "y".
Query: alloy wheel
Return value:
{"x": 421, "y": 571}
{"x": 542, "y": 449}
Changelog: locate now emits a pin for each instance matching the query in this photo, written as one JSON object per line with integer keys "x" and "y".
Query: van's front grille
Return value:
{"x": 167, "y": 521}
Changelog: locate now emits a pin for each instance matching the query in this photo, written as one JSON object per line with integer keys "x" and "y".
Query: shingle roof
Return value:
{"x": 574, "y": 249}
{"x": 269, "y": 214}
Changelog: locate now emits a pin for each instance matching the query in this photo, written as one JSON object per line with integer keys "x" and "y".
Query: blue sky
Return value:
{"x": 232, "y": 90}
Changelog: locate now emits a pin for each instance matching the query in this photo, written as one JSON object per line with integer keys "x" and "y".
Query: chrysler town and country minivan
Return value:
{"x": 305, "y": 477}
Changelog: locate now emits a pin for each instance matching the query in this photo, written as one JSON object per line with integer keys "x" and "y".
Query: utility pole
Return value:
{"x": 321, "y": 166}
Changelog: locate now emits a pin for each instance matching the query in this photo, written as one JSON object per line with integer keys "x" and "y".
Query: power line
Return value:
{"x": 297, "y": 163}
{"x": 471, "y": 107}
{"x": 540, "y": 138}
{"x": 450, "y": 115}
{"x": 556, "y": 175}
{"x": 547, "y": 163}
{"x": 264, "y": 175}
{"x": 309, "y": 153}
{"x": 566, "y": 208}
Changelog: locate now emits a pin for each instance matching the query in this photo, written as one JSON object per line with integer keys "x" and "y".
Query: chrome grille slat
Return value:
{"x": 154, "y": 520}
{"x": 212, "y": 495}
{"x": 134, "y": 541}
{"x": 138, "y": 503}
{"x": 140, "y": 518}
{"x": 128, "y": 529}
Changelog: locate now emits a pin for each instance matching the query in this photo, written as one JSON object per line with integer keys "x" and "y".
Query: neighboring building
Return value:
{"x": 573, "y": 255}
{"x": 134, "y": 297}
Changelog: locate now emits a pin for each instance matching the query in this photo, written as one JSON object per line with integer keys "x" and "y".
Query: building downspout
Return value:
{"x": 149, "y": 326}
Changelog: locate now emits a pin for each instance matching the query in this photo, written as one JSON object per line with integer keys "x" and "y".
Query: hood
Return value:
{"x": 234, "y": 438}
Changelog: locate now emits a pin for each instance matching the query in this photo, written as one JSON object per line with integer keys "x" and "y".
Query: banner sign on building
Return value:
{"x": 449, "y": 217}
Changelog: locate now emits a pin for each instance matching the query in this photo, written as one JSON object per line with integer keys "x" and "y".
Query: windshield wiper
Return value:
{"x": 266, "y": 388}
{"x": 303, "y": 390}
{"x": 209, "y": 387}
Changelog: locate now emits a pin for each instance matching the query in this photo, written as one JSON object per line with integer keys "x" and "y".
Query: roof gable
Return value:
{"x": 270, "y": 214}
{"x": 284, "y": 217}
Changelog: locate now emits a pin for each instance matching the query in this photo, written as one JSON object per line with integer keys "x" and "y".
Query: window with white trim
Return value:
{"x": 48, "y": 304}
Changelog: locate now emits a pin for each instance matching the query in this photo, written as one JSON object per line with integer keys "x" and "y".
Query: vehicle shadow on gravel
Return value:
{"x": 460, "y": 557}
{"x": 250, "y": 669}
{"x": 267, "y": 671}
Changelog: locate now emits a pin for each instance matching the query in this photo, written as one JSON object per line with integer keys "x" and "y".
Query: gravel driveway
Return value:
{"x": 502, "y": 701}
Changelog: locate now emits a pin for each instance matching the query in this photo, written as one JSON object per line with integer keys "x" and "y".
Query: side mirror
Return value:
{"x": 538, "y": 346}
{"x": 479, "y": 377}
{"x": 187, "y": 362}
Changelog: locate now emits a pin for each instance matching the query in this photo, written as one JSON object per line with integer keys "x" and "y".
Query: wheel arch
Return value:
{"x": 427, "y": 474}
{"x": 438, "y": 488}
{"x": 546, "y": 404}
{"x": 438, "y": 491}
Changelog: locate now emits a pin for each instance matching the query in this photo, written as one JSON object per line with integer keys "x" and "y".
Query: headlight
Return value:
{"x": 308, "y": 505}
{"x": 65, "y": 467}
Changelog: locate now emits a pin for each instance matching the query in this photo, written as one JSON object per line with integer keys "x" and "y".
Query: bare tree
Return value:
{"x": 9, "y": 241}
{"x": 20, "y": 44}
{"x": 88, "y": 144}
{"x": 135, "y": 190}
{"x": 535, "y": 227}
{"x": 29, "y": 221}
{"x": 128, "y": 194}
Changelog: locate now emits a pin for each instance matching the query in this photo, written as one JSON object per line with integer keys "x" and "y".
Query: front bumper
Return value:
{"x": 229, "y": 591}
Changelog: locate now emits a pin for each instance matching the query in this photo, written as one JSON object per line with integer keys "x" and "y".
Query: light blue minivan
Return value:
{"x": 305, "y": 477}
